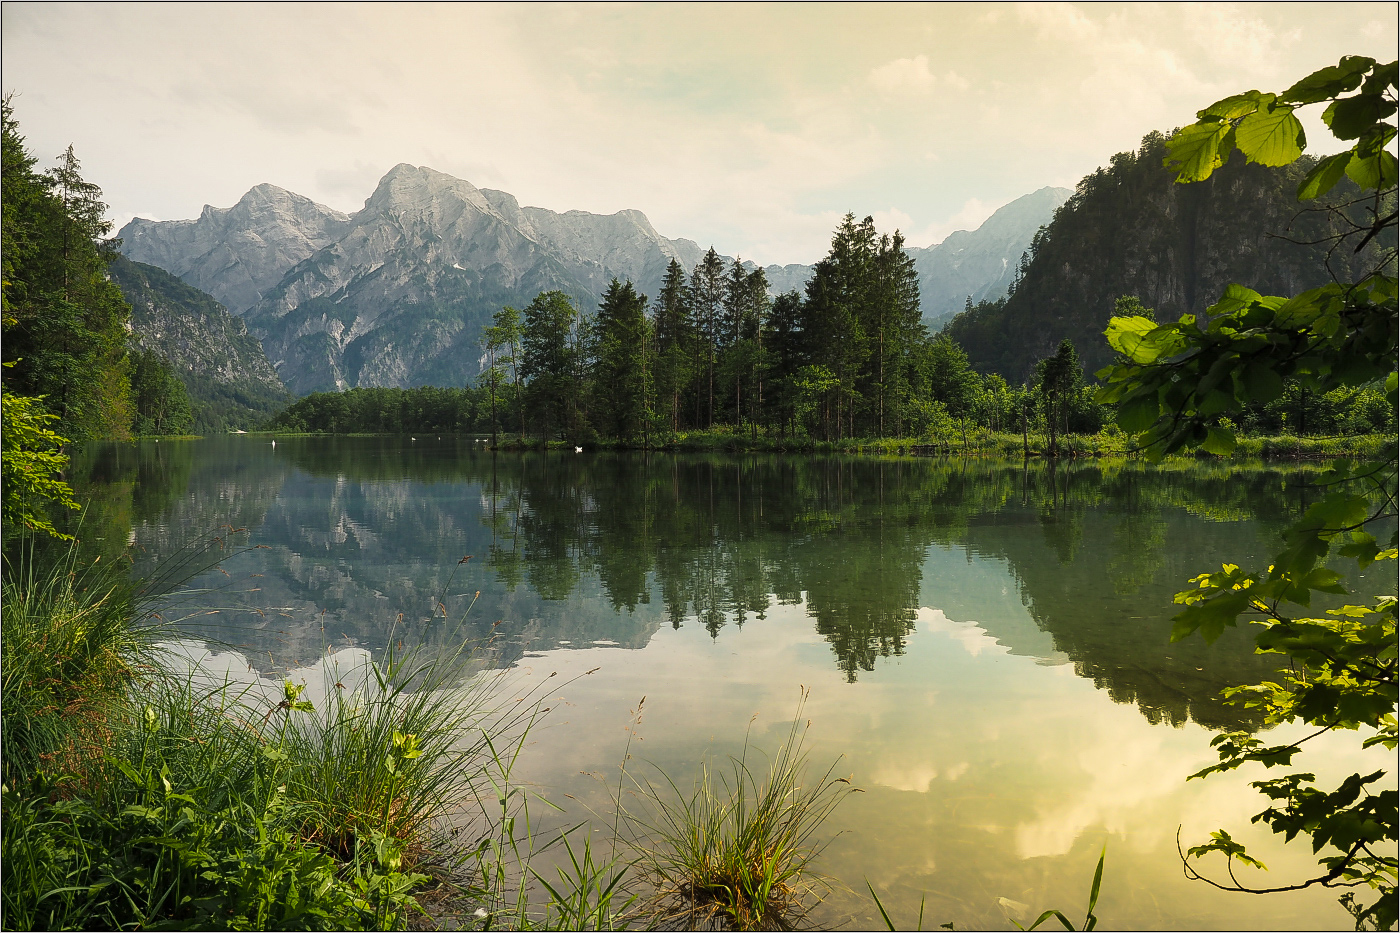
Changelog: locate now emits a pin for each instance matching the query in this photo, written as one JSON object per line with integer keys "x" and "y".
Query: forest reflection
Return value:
{"x": 573, "y": 550}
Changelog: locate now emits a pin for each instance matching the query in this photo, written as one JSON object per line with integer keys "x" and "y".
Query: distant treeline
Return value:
{"x": 388, "y": 411}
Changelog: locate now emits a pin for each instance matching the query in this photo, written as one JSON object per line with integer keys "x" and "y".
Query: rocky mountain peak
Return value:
{"x": 416, "y": 188}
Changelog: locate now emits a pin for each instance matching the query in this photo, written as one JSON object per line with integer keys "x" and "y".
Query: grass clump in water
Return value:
{"x": 736, "y": 852}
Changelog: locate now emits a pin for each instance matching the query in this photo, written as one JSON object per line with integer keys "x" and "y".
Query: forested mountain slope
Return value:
{"x": 981, "y": 263}
{"x": 230, "y": 382}
{"x": 1129, "y": 229}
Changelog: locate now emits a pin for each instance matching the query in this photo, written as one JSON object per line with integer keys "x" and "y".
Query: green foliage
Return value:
{"x": 1178, "y": 384}
{"x": 550, "y": 362}
{"x": 162, "y": 404}
{"x": 68, "y": 651}
{"x": 221, "y": 367}
{"x": 136, "y": 796}
{"x": 1130, "y": 229}
{"x": 387, "y": 411}
{"x": 187, "y": 821}
{"x": 621, "y": 366}
{"x": 31, "y": 466}
{"x": 64, "y": 322}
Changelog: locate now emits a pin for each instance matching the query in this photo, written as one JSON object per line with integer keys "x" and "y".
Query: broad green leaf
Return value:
{"x": 1262, "y": 382}
{"x": 1236, "y": 298}
{"x": 1349, "y": 117}
{"x": 1220, "y": 441}
{"x": 1301, "y": 310}
{"x": 1233, "y": 107}
{"x": 1125, "y": 334}
{"x": 1374, "y": 140}
{"x": 1195, "y": 151}
{"x": 1382, "y": 77}
{"x": 1330, "y": 81}
{"x": 1216, "y": 402}
{"x": 1375, "y": 172}
{"x": 1138, "y": 414}
{"x": 1271, "y": 137}
{"x": 1324, "y": 176}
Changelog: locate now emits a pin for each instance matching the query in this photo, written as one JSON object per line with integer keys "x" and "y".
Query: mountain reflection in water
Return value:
{"x": 1069, "y": 563}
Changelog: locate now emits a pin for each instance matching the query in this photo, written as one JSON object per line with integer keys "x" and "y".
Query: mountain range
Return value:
{"x": 397, "y": 293}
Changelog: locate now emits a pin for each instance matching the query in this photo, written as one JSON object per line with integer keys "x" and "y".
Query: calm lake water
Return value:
{"x": 985, "y": 642}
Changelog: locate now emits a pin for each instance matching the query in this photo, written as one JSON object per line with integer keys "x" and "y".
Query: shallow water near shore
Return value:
{"x": 985, "y": 642}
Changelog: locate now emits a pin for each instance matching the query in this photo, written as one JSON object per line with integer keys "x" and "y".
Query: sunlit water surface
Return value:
{"x": 984, "y": 643}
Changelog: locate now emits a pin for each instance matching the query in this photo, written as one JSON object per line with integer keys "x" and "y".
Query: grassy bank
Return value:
{"x": 138, "y": 792}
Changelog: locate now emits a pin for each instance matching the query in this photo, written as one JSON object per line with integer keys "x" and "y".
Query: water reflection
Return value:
{"x": 984, "y": 642}
{"x": 1068, "y": 563}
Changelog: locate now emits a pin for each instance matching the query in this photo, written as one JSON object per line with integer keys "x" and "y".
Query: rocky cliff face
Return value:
{"x": 397, "y": 294}
{"x": 981, "y": 263}
{"x": 229, "y": 379}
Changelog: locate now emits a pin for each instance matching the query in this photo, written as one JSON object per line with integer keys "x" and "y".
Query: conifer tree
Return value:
{"x": 548, "y": 359}
{"x": 706, "y": 299}
{"x": 620, "y": 371}
{"x": 675, "y": 339}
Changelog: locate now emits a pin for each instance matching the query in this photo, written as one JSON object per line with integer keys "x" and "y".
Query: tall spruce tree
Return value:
{"x": 621, "y": 376}
{"x": 706, "y": 300}
{"x": 835, "y": 314}
{"x": 548, "y": 360}
{"x": 895, "y": 328}
{"x": 675, "y": 340}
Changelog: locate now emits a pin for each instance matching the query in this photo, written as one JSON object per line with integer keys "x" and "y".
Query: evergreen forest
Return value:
{"x": 716, "y": 355}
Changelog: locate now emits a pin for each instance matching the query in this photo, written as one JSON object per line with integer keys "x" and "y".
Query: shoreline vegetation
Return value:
{"x": 1107, "y": 443}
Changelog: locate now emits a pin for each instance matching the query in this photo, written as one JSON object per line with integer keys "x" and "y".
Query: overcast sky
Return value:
{"x": 749, "y": 127}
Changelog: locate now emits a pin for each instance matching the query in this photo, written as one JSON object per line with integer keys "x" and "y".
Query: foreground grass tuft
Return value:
{"x": 736, "y": 852}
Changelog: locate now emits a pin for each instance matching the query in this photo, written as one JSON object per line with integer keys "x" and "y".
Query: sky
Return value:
{"x": 750, "y": 127}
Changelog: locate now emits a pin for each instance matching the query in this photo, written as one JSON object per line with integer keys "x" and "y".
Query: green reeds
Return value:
{"x": 736, "y": 852}
{"x": 69, "y": 650}
{"x": 398, "y": 743}
{"x": 185, "y": 821}
{"x": 141, "y": 793}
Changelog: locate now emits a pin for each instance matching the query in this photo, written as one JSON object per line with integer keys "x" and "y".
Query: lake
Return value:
{"x": 984, "y": 642}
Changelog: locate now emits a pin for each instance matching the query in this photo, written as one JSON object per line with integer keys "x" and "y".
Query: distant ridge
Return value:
{"x": 397, "y": 293}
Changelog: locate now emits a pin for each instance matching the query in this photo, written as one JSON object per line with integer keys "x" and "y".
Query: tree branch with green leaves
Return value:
{"x": 1178, "y": 384}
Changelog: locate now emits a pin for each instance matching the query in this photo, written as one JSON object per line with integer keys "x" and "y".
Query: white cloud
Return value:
{"x": 1378, "y": 31}
{"x": 1059, "y": 21}
{"x": 904, "y": 76}
{"x": 756, "y": 140}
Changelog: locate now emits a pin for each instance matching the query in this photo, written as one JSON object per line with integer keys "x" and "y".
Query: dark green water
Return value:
{"x": 985, "y": 642}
